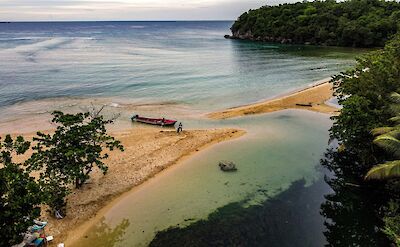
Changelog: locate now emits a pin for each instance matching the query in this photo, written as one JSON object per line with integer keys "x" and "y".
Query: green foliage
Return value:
{"x": 368, "y": 129}
{"x": 71, "y": 153}
{"x": 387, "y": 170}
{"x": 392, "y": 222}
{"x": 65, "y": 157}
{"x": 19, "y": 193}
{"x": 366, "y": 93}
{"x": 388, "y": 138}
{"x": 358, "y": 23}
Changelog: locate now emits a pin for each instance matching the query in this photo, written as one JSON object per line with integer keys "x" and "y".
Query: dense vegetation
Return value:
{"x": 19, "y": 193}
{"x": 368, "y": 133}
{"x": 62, "y": 159}
{"x": 357, "y": 23}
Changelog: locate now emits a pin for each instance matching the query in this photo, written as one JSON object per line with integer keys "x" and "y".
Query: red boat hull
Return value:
{"x": 154, "y": 121}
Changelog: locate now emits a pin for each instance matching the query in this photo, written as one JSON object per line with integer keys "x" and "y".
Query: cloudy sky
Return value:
{"x": 25, "y": 10}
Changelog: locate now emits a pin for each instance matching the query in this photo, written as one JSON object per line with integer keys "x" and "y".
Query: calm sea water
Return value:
{"x": 184, "y": 63}
{"x": 183, "y": 67}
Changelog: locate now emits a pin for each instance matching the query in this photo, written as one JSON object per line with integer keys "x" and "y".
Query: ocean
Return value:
{"x": 184, "y": 70}
{"x": 47, "y": 65}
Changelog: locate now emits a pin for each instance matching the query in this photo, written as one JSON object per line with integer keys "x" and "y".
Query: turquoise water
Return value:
{"x": 46, "y": 65}
{"x": 279, "y": 149}
{"x": 175, "y": 69}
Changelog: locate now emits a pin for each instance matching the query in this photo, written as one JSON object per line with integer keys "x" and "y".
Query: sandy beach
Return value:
{"x": 312, "y": 98}
{"x": 148, "y": 151}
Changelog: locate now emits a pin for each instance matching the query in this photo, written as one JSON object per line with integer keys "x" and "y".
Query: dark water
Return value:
{"x": 290, "y": 219}
{"x": 330, "y": 212}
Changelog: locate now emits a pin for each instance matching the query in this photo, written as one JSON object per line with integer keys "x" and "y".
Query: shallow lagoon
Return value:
{"x": 279, "y": 149}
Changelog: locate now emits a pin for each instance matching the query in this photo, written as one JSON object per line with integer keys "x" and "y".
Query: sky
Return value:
{"x": 63, "y": 10}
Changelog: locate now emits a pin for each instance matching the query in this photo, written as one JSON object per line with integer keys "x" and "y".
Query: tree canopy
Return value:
{"x": 357, "y": 23}
{"x": 20, "y": 195}
{"x": 69, "y": 155}
{"x": 368, "y": 131}
{"x": 60, "y": 160}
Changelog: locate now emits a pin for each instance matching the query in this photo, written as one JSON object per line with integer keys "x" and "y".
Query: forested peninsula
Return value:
{"x": 354, "y": 23}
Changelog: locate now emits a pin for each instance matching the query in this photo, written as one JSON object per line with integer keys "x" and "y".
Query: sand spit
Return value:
{"x": 148, "y": 151}
{"x": 312, "y": 98}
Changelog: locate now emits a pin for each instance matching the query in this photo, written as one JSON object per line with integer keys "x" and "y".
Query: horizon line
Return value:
{"x": 21, "y": 21}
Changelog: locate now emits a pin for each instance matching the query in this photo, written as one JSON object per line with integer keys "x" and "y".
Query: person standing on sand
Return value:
{"x": 179, "y": 129}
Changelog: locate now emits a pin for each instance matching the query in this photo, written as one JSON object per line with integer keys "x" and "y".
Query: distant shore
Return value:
{"x": 312, "y": 98}
{"x": 148, "y": 151}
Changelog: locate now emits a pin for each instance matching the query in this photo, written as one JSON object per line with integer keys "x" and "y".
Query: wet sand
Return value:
{"x": 312, "y": 98}
{"x": 147, "y": 152}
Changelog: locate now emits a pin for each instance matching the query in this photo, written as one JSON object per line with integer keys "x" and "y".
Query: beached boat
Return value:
{"x": 153, "y": 121}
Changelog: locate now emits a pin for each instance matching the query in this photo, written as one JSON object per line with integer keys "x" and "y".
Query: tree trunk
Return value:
{"x": 78, "y": 183}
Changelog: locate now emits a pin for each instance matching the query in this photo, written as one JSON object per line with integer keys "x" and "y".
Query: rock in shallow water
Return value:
{"x": 227, "y": 166}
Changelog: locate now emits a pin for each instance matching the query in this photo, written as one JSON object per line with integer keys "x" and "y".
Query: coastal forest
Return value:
{"x": 354, "y": 23}
{"x": 366, "y": 163}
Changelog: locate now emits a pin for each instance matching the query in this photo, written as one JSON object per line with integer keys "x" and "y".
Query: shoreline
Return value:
{"x": 147, "y": 153}
{"x": 310, "y": 98}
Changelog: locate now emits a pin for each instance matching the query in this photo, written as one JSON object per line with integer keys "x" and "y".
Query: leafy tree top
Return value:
{"x": 20, "y": 195}
{"x": 75, "y": 148}
{"x": 358, "y": 23}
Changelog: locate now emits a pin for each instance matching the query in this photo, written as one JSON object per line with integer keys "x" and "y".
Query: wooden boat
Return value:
{"x": 153, "y": 121}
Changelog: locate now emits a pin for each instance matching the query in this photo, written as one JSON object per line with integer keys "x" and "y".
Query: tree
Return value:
{"x": 20, "y": 195}
{"x": 392, "y": 222}
{"x": 71, "y": 153}
{"x": 368, "y": 133}
{"x": 360, "y": 23}
{"x": 366, "y": 95}
{"x": 388, "y": 138}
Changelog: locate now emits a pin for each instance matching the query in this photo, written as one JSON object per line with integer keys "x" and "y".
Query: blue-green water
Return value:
{"x": 176, "y": 69}
{"x": 45, "y": 65}
{"x": 279, "y": 149}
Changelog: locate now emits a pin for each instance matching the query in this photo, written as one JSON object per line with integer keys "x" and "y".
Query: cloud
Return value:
{"x": 25, "y": 10}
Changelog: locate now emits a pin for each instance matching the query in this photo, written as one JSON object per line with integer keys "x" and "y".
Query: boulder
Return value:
{"x": 227, "y": 166}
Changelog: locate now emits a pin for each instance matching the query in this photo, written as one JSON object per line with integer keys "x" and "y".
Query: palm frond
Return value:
{"x": 395, "y": 119}
{"x": 381, "y": 130}
{"x": 388, "y": 170}
{"x": 395, "y": 97}
{"x": 389, "y": 143}
{"x": 395, "y": 132}
{"x": 395, "y": 109}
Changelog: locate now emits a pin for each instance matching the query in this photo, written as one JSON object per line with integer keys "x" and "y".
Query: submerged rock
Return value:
{"x": 227, "y": 166}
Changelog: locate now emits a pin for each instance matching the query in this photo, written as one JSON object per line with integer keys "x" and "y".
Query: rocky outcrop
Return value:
{"x": 249, "y": 36}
